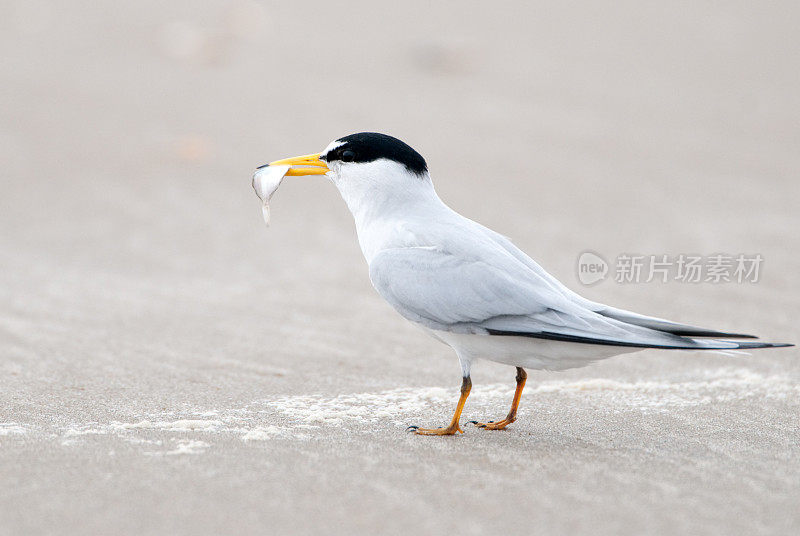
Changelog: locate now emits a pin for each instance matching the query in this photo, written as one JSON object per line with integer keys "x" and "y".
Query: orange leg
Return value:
{"x": 466, "y": 385}
{"x": 512, "y": 415}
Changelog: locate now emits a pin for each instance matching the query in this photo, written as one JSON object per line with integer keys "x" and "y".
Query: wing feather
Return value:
{"x": 449, "y": 292}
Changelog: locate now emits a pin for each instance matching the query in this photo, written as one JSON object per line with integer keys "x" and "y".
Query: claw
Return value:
{"x": 453, "y": 428}
{"x": 450, "y": 430}
{"x": 492, "y": 425}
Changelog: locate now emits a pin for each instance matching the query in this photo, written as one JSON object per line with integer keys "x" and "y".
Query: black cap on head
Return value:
{"x": 370, "y": 146}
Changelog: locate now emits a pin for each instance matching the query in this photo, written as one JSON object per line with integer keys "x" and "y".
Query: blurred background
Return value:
{"x": 137, "y": 277}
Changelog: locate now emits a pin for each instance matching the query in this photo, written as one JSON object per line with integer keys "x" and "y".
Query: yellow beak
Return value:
{"x": 308, "y": 164}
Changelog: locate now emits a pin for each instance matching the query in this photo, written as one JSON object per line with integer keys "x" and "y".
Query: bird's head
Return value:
{"x": 364, "y": 164}
{"x": 371, "y": 151}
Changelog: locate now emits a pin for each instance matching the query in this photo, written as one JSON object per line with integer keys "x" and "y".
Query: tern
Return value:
{"x": 470, "y": 287}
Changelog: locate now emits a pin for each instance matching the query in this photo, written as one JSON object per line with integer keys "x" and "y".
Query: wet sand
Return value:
{"x": 170, "y": 366}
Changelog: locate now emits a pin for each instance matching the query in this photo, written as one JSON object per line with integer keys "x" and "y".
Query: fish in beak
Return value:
{"x": 267, "y": 178}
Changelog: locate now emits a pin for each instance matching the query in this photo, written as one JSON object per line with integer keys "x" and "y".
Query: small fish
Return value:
{"x": 265, "y": 181}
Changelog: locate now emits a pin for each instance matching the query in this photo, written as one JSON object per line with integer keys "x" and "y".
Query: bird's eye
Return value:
{"x": 348, "y": 156}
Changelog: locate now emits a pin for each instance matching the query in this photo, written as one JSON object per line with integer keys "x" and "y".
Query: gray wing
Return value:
{"x": 497, "y": 295}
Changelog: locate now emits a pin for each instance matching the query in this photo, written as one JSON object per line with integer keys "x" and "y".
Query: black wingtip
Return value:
{"x": 605, "y": 342}
{"x": 708, "y": 333}
{"x": 746, "y": 345}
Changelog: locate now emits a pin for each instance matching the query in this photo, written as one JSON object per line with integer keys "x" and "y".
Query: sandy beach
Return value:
{"x": 169, "y": 365}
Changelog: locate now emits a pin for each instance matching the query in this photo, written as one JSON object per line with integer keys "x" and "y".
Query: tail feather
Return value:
{"x": 667, "y": 326}
{"x": 763, "y": 344}
{"x": 683, "y": 343}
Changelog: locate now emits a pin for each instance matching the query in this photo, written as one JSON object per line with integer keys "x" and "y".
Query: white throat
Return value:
{"x": 383, "y": 196}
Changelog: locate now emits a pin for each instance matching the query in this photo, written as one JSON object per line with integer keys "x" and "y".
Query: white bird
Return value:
{"x": 470, "y": 287}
